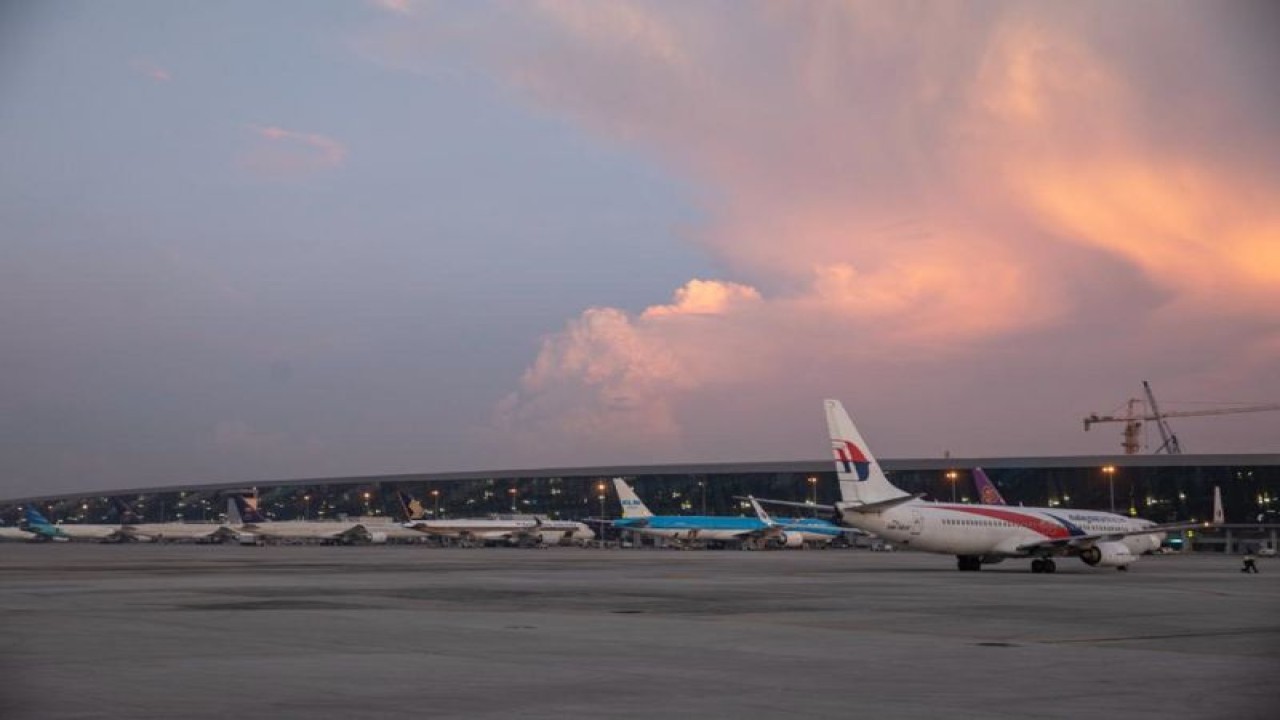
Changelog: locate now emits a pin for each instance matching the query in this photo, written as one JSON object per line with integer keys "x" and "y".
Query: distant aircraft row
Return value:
{"x": 976, "y": 535}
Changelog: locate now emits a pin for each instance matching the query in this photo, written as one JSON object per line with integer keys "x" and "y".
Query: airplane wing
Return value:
{"x": 827, "y": 510}
{"x": 1084, "y": 541}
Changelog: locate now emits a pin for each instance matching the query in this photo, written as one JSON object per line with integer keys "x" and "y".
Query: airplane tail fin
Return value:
{"x": 409, "y": 506}
{"x": 127, "y": 514}
{"x": 248, "y": 508}
{"x": 760, "y": 513}
{"x": 632, "y": 507}
{"x": 233, "y": 511}
{"x": 862, "y": 482}
{"x": 987, "y": 492}
{"x": 34, "y": 517}
{"x": 1218, "y": 517}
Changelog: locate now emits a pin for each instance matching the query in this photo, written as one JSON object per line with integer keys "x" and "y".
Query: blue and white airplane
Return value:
{"x": 755, "y": 532}
{"x": 40, "y": 526}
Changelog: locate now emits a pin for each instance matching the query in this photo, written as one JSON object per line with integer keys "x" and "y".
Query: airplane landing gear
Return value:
{"x": 1043, "y": 565}
{"x": 969, "y": 563}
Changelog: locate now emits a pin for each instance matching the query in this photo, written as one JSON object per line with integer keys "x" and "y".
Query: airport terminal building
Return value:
{"x": 1162, "y": 488}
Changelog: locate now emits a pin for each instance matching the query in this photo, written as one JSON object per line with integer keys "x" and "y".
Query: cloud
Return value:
{"x": 153, "y": 71}
{"x": 400, "y": 7}
{"x": 898, "y": 180}
{"x": 281, "y": 153}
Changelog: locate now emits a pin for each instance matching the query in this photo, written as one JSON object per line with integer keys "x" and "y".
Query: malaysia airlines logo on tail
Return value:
{"x": 851, "y": 459}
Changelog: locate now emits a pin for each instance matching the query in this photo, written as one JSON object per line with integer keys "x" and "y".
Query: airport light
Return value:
{"x": 1110, "y": 472}
{"x": 600, "y": 492}
{"x": 951, "y": 476}
{"x": 512, "y": 493}
{"x": 435, "y": 497}
{"x": 813, "y": 490}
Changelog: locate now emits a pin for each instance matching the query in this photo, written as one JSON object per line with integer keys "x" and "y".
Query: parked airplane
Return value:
{"x": 755, "y": 531}
{"x": 987, "y": 492}
{"x": 132, "y": 528}
{"x": 17, "y": 533}
{"x": 249, "y": 527}
{"x": 506, "y": 529}
{"x": 981, "y": 534}
{"x": 39, "y": 525}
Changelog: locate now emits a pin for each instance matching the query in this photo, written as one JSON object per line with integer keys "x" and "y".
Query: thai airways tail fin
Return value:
{"x": 632, "y": 507}
{"x": 862, "y": 481}
{"x": 987, "y": 492}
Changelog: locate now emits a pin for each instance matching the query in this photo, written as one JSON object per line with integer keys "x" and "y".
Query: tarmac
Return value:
{"x": 188, "y": 631}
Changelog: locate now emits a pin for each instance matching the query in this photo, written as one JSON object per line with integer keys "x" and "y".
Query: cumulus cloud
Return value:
{"x": 924, "y": 179}
{"x": 280, "y": 153}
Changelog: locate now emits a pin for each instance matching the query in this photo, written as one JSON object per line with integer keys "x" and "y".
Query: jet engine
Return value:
{"x": 378, "y": 538}
{"x": 790, "y": 540}
{"x": 248, "y": 539}
{"x": 1108, "y": 554}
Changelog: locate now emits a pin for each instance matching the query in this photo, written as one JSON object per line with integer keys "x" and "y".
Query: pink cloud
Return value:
{"x": 920, "y": 182}
{"x": 153, "y": 71}
{"x": 286, "y": 153}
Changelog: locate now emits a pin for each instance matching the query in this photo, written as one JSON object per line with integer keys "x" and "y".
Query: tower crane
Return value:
{"x": 1133, "y": 419}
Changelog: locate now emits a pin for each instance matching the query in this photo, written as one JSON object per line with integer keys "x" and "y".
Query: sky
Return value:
{"x": 251, "y": 241}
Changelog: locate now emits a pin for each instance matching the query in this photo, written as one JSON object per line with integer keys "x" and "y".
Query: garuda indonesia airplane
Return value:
{"x": 759, "y": 531}
{"x": 981, "y": 534}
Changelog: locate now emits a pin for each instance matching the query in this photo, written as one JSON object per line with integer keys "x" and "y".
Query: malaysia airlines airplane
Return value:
{"x": 759, "y": 531}
{"x": 982, "y": 534}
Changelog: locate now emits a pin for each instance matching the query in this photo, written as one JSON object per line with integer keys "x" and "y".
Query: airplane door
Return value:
{"x": 917, "y": 522}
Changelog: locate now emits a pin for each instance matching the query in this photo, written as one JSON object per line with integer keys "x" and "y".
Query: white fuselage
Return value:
{"x": 153, "y": 532}
{"x": 300, "y": 530}
{"x": 506, "y": 530}
{"x": 995, "y": 531}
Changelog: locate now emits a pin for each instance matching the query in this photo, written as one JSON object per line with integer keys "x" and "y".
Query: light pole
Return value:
{"x": 512, "y": 493}
{"x": 435, "y": 497}
{"x": 702, "y": 485}
{"x": 951, "y": 476}
{"x": 600, "y": 494}
{"x": 306, "y": 507}
{"x": 1110, "y": 472}
{"x": 813, "y": 490}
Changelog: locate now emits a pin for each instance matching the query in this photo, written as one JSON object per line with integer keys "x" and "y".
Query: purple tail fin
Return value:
{"x": 987, "y": 492}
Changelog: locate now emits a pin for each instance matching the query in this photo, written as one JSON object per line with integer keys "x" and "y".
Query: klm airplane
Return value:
{"x": 755, "y": 532}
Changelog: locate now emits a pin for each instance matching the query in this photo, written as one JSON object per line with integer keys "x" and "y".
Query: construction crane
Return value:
{"x": 1134, "y": 417}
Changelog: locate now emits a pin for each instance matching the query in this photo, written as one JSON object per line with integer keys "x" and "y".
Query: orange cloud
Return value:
{"x": 285, "y": 153}
{"x": 890, "y": 178}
